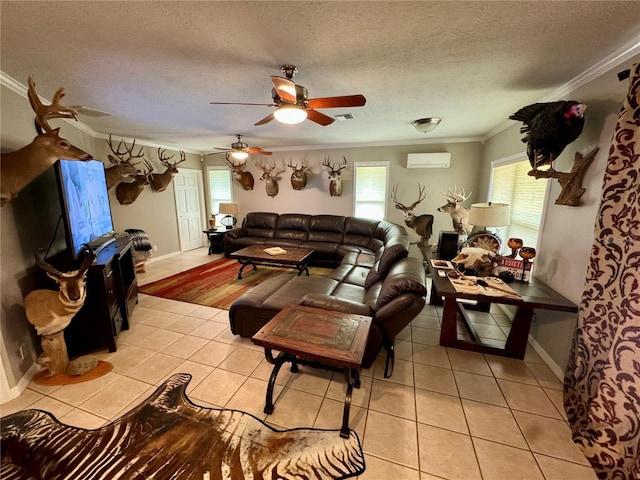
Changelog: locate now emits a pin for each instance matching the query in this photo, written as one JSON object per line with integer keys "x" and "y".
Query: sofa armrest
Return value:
{"x": 236, "y": 233}
{"x": 329, "y": 302}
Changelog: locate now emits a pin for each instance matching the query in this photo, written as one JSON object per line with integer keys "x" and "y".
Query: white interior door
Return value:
{"x": 187, "y": 188}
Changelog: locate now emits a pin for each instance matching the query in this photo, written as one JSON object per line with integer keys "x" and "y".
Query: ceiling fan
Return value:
{"x": 293, "y": 102}
{"x": 240, "y": 150}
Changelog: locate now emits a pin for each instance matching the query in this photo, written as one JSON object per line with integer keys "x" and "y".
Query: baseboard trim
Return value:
{"x": 164, "y": 257}
{"x": 23, "y": 383}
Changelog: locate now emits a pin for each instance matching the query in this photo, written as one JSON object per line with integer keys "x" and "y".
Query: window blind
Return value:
{"x": 219, "y": 186}
{"x": 370, "y": 190}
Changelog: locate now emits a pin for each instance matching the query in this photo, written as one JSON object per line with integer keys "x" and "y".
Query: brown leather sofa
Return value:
{"x": 374, "y": 276}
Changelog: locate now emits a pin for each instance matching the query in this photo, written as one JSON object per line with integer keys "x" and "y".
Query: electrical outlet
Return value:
{"x": 155, "y": 248}
{"x": 22, "y": 351}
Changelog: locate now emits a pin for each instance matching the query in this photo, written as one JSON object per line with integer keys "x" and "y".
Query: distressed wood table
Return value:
{"x": 254, "y": 255}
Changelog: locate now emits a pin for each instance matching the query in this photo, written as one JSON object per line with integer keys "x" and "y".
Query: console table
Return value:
{"x": 534, "y": 295}
{"x": 216, "y": 239}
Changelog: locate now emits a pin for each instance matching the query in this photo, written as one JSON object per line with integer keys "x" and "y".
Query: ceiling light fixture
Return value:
{"x": 239, "y": 155}
{"x": 290, "y": 114}
{"x": 426, "y": 125}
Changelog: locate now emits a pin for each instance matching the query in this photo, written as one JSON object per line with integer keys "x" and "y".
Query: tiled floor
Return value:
{"x": 445, "y": 413}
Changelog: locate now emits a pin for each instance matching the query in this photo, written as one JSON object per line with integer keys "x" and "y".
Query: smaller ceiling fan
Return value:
{"x": 293, "y": 102}
{"x": 240, "y": 150}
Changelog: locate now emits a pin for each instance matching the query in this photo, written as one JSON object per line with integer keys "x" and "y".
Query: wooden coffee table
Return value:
{"x": 255, "y": 255}
{"x": 317, "y": 338}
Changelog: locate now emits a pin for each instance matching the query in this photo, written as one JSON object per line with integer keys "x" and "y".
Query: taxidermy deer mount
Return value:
{"x": 123, "y": 167}
{"x": 298, "y": 175}
{"x": 50, "y": 311}
{"x": 19, "y": 168}
{"x": 335, "y": 177}
{"x": 459, "y": 214}
{"x": 267, "y": 174}
{"x": 421, "y": 224}
{"x": 127, "y": 193}
{"x": 160, "y": 181}
{"x": 237, "y": 170}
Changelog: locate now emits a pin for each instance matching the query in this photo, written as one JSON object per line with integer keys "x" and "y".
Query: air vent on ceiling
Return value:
{"x": 428, "y": 160}
{"x": 345, "y": 116}
{"x": 90, "y": 112}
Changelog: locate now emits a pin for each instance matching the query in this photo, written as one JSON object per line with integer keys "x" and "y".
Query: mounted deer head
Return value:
{"x": 459, "y": 214}
{"x": 237, "y": 170}
{"x": 335, "y": 177}
{"x": 268, "y": 175}
{"x": 123, "y": 166}
{"x": 160, "y": 181}
{"x": 422, "y": 224}
{"x": 19, "y": 168}
{"x": 127, "y": 193}
{"x": 298, "y": 175}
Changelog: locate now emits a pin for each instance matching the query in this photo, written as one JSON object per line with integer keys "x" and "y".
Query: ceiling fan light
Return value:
{"x": 239, "y": 155}
{"x": 290, "y": 114}
{"x": 426, "y": 125}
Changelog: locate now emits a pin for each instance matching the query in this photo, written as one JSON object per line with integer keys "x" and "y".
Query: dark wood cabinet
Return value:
{"x": 112, "y": 293}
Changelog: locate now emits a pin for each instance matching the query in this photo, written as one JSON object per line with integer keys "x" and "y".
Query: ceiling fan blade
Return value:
{"x": 319, "y": 118}
{"x": 223, "y": 149}
{"x": 337, "y": 102}
{"x": 258, "y": 151}
{"x": 286, "y": 89}
{"x": 266, "y": 119}
{"x": 240, "y": 103}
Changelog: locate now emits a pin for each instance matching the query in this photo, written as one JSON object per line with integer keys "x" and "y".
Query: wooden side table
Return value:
{"x": 216, "y": 239}
{"x": 316, "y": 338}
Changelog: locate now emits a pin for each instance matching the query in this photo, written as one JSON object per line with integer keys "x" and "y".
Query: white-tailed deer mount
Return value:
{"x": 19, "y": 168}
{"x": 50, "y": 311}
{"x": 421, "y": 224}
{"x": 335, "y": 177}
{"x": 123, "y": 166}
{"x": 298, "y": 175}
{"x": 160, "y": 181}
{"x": 459, "y": 214}
{"x": 271, "y": 184}
{"x": 127, "y": 193}
{"x": 237, "y": 170}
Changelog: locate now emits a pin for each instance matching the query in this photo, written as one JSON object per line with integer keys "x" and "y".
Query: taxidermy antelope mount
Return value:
{"x": 127, "y": 193}
{"x": 422, "y": 224}
{"x": 19, "y": 168}
{"x": 298, "y": 175}
{"x": 123, "y": 167}
{"x": 459, "y": 214}
{"x": 50, "y": 311}
{"x": 335, "y": 177}
{"x": 244, "y": 178}
{"x": 160, "y": 181}
{"x": 268, "y": 175}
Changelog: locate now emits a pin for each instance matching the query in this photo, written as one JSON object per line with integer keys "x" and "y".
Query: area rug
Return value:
{"x": 168, "y": 437}
{"x": 215, "y": 284}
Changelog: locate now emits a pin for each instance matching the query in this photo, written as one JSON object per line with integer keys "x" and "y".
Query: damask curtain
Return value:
{"x": 602, "y": 381}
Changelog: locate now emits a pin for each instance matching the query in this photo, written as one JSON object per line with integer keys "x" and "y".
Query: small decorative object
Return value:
{"x": 160, "y": 181}
{"x": 335, "y": 177}
{"x": 527, "y": 253}
{"x": 485, "y": 215}
{"x": 506, "y": 276}
{"x": 230, "y": 210}
{"x": 514, "y": 244}
{"x": 459, "y": 214}
{"x": 477, "y": 259}
{"x": 270, "y": 177}
{"x": 212, "y": 221}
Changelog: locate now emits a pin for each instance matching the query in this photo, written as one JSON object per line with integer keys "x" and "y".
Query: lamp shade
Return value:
{"x": 290, "y": 114}
{"x": 490, "y": 214}
{"x": 228, "y": 209}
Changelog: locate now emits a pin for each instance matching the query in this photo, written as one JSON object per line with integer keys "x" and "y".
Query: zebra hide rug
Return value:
{"x": 168, "y": 437}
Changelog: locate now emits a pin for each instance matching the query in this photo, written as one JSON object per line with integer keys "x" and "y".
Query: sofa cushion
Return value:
{"x": 403, "y": 278}
{"x": 350, "y": 274}
{"x": 389, "y": 256}
{"x": 293, "y": 226}
{"x": 260, "y": 224}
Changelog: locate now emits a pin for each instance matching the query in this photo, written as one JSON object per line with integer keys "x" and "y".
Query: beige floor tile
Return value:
{"x": 403, "y": 351}
{"x": 480, "y": 388}
{"x": 557, "y": 398}
{"x": 213, "y": 353}
{"x": 185, "y": 324}
{"x": 264, "y": 369}
{"x": 198, "y": 372}
{"x": 331, "y": 413}
{"x": 391, "y": 438}
{"x": 218, "y": 387}
{"x": 402, "y": 371}
{"x": 447, "y": 454}
{"x": 439, "y": 410}
{"x": 77, "y": 393}
{"x": 136, "y": 334}
{"x": 43, "y": 389}
{"x": 250, "y": 397}
{"x": 435, "y": 379}
{"x": 294, "y": 408}
{"x": 161, "y": 339}
{"x": 510, "y": 369}
{"x": 23, "y": 402}
{"x": 185, "y": 346}
{"x": 242, "y": 361}
{"x": 156, "y": 369}
{"x": 431, "y": 355}
{"x": 204, "y": 312}
{"x": 109, "y": 401}
{"x": 393, "y": 399}
{"x": 493, "y": 423}
{"x": 528, "y": 398}
{"x": 405, "y": 334}
{"x": 501, "y": 462}
{"x": 175, "y": 306}
{"x": 489, "y": 331}
{"x": 154, "y": 318}
{"x": 209, "y": 330}
{"x": 309, "y": 379}
{"x": 549, "y": 436}
{"x": 221, "y": 317}
{"x": 531, "y": 356}
{"x": 426, "y": 336}
{"x": 136, "y": 402}
{"x": 53, "y": 406}
{"x": 478, "y": 317}
{"x": 470, "y": 362}
{"x": 555, "y": 469}
{"x": 378, "y": 469}
{"x": 127, "y": 357}
{"x": 79, "y": 418}
{"x": 359, "y": 396}
{"x": 501, "y": 319}
{"x": 426, "y": 321}
{"x": 545, "y": 376}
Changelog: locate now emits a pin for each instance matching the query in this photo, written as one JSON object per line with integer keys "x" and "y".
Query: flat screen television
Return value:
{"x": 85, "y": 204}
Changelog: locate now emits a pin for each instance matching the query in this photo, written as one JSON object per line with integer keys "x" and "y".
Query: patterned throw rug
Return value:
{"x": 168, "y": 437}
{"x": 215, "y": 284}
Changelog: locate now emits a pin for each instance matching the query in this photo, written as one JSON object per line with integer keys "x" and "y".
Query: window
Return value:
{"x": 511, "y": 184}
{"x": 219, "y": 187}
{"x": 370, "y": 191}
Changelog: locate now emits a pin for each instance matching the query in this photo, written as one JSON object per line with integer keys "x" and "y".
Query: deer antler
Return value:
{"x": 162, "y": 156}
{"x": 457, "y": 195}
{"x": 266, "y": 168}
{"x": 44, "y": 112}
{"x": 119, "y": 156}
{"x": 421, "y": 196}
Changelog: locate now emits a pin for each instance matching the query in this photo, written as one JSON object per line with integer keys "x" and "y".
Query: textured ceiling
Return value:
{"x": 155, "y": 66}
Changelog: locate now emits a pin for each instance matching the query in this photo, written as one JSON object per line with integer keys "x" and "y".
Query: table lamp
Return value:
{"x": 489, "y": 215}
{"x": 230, "y": 210}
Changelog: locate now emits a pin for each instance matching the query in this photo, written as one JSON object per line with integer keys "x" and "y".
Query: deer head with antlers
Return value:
{"x": 335, "y": 177}
{"x": 459, "y": 215}
{"x": 127, "y": 193}
{"x": 237, "y": 170}
{"x": 298, "y": 175}
{"x": 421, "y": 224}
{"x": 19, "y": 168}
{"x": 160, "y": 181}
{"x": 123, "y": 166}
{"x": 270, "y": 177}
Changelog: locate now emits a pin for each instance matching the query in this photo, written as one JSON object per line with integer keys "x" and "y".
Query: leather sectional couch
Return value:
{"x": 374, "y": 276}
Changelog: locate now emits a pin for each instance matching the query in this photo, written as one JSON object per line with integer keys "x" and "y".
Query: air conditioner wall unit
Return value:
{"x": 428, "y": 160}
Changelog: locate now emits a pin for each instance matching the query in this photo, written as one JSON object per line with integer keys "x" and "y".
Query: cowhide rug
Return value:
{"x": 168, "y": 437}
